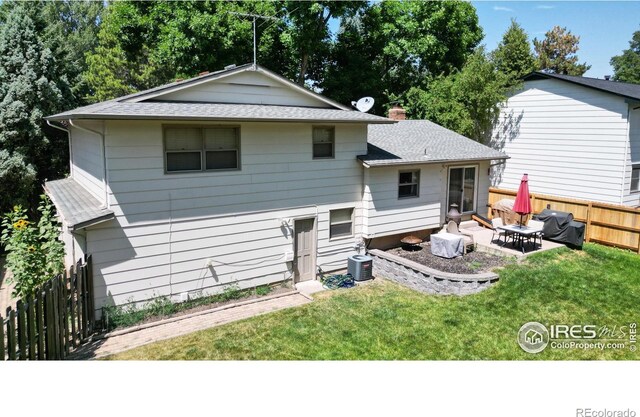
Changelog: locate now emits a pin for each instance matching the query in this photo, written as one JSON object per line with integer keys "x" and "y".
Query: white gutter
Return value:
{"x": 626, "y": 153}
{"x": 104, "y": 158}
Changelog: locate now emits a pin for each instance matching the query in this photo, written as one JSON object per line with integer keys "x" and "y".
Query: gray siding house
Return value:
{"x": 576, "y": 137}
{"x": 241, "y": 176}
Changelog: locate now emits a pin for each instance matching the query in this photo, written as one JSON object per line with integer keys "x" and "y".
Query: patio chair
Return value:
{"x": 467, "y": 238}
{"x": 538, "y": 226}
{"x": 495, "y": 223}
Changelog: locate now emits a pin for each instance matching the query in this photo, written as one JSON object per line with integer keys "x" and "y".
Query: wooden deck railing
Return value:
{"x": 608, "y": 224}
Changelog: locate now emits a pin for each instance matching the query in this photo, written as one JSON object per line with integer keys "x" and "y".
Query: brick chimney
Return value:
{"x": 397, "y": 113}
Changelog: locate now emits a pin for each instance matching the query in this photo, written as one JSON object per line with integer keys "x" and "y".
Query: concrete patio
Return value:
{"x": 484, "y": 243}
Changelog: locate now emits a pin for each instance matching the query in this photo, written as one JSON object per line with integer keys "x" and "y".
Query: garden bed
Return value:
{"x": 161, "y": 308}
{"x": 472, "y": 263}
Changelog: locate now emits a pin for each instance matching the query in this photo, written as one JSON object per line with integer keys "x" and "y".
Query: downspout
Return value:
{"x": 104, "y": 158}
{"x": 626, "y": 153}
{"x": 70, "y": 146}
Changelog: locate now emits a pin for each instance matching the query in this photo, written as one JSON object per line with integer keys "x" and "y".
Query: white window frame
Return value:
{"x": 333, "y": 142}
{"x": 352, "y": 221}
{"x": 634, "y": 166}
{"x": 417, "y": 183}
{"x": 203, "y": 150}
{"x": 475, "y": 188}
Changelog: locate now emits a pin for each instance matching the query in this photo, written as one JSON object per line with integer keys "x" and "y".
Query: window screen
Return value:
{"x": 197, "y": 149}
{"x": 341, "y": 222}
{"x": 408, "y": 184}
{"x": 183, "y": 149}
{"x": 635, "y": 178}
{"x": 323, "y": 142}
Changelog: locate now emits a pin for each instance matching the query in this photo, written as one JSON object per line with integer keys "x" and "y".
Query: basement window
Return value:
{"x": 192, "y": 149}
{"x": 635, "y": 177}
{"x": 341, "y": 223}
{"x": 323, "y": 142}
{"x": 409, "y": 184}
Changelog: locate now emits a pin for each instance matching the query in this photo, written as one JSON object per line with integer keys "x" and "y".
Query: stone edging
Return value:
{"x": 429, "y": 280}
{"x": 199, "y": 313}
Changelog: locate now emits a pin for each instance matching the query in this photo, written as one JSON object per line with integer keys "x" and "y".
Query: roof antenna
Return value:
{"x": 255, "y": 41}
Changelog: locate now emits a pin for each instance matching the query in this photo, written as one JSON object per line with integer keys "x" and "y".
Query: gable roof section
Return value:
{"x": 422, "y": 141}
{"x": 149, "y": 104}
{"x": 626, "y": 90}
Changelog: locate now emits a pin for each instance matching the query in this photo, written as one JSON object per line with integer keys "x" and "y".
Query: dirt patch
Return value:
{"x": 472, "y": 263}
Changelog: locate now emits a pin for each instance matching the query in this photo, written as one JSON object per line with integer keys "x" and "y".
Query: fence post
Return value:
{"x": 11, "y": 334}
{"x": 31, "y": 327}
{"x": 40, "y": 320}
{"x": 1, "y": 338}
{"x": 22, "y": 331}
{"x": 91, "y": 295}
{"x": 589, "y": 216}
{"x": 72, "y": 300}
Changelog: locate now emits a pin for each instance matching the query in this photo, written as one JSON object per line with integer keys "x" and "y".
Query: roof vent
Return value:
{"x": 228, "y": 67}
{"x": 203, "y": 73}
{"x": 607, "y": 77}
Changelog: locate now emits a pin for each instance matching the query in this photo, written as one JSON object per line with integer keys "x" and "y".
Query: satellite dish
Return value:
{"x": 364, "y": 104}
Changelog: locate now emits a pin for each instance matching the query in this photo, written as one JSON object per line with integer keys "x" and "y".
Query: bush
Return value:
{"x": 35, "y": 252}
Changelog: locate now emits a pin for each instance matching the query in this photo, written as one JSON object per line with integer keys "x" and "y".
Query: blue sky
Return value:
{"x": 605, "y": 27}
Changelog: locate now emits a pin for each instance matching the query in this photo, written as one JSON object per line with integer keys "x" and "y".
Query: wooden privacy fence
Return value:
{"x": 608, "y": 224}
{"x": 53, "y": 320}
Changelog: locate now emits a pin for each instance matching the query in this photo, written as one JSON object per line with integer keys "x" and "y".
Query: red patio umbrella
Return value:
{"x": 522, "y": 205}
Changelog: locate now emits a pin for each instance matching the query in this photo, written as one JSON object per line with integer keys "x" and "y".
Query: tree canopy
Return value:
{"x": 557, "y": 52}
{"x": 626, "y": 67}
{"x": 513, "y": 56}
{"x": 32, "y": 85}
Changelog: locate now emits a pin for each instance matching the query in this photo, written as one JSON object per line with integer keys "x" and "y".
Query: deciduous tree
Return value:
{"x": 626, "y": 67}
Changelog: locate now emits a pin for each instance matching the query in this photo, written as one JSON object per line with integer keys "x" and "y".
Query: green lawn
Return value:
{"x": 598, "y": 285}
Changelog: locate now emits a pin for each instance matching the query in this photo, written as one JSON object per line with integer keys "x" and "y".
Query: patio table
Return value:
{"x": 447, "y": 245}
{"x": 519, "y": 232}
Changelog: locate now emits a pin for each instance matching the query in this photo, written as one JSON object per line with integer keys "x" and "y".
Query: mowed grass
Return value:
{"x": 385, "y": 321}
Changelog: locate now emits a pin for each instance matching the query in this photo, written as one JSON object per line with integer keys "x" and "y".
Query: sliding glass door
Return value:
{"x": 462, "y": 188}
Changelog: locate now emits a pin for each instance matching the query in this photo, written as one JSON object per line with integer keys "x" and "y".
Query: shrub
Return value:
{"x": 35, "y": 252}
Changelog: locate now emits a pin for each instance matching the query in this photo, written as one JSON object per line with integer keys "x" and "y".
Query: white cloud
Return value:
{"x": 502, "y": 9}
{"x": 545, "y": 7}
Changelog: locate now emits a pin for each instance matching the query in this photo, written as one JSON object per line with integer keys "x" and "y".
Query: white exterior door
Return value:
{"x": 305, "y": 250}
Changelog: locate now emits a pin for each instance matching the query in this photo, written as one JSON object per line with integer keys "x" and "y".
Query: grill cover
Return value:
{"x": 560, "y": 226}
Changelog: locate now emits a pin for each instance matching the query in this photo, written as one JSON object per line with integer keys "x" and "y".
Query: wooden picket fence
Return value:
{"x": 52, "y": 321}
{"x": 607, "y": 224}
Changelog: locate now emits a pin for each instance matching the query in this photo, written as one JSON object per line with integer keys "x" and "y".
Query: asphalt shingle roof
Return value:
{"x": 143, "y": 105}
{"x": 626, "y": 90}
{"x": 422, "y": 141}
{"x": 77, "y": 207}
{"x": 216, "y": 111}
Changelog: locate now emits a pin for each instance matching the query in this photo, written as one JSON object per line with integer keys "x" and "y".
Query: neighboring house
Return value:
{"x": 576, "y": 137}
{"x": 243, "y": 176}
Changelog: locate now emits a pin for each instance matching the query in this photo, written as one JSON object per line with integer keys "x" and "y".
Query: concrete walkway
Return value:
{"x": 126, "y": 339}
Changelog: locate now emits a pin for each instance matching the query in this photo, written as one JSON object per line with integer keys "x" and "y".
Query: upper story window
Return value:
{"x": 323, "y": 142}
{"x": 189, "y": 149}
{"x": 409, "y": 184}
{"x": 635, "y": 177}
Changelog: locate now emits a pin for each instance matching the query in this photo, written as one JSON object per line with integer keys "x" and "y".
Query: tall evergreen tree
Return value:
{"x": 31, "y": 87}
{"x": 626, "y": 67}
{"x": 513, "y": 56}
{"x": 557, "y": 52}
